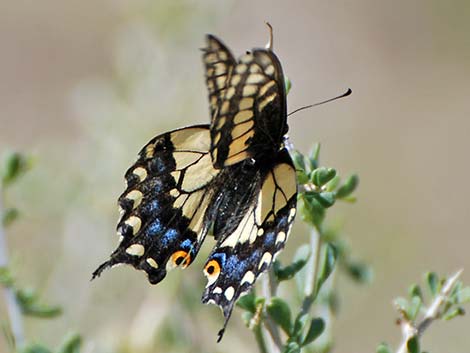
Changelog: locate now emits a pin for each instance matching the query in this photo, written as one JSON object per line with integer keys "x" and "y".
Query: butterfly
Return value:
{"x": 233, "y": 179}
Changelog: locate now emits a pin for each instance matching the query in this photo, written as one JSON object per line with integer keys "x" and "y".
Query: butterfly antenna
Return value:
{"x": 347, "y": 93}
{"x": 269, "y": 46}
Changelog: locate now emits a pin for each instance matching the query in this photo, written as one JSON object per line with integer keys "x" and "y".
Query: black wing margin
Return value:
{"x": 242, "y": 255}
{"x": 164, "y": 209}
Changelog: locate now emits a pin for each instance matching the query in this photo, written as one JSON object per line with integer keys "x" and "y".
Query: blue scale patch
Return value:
{"x": 220, "y": 257}
{"x": 235, "y": 267}
{"x": 269, "y": 238}
{"x": 154, "y": 228}
{"x": 152, "y": 206}
{"x": 187, "y": 244}
{"x": 170, "y": 236}
{"x": 157, "y": 165}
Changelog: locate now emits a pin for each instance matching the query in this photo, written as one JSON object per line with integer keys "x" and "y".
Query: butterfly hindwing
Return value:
{"x": 164, "y": 209}
{"x": 242, "y": 254}
{"x": 250, "y": 120}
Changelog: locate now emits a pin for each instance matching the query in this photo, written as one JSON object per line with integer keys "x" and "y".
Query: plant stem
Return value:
{"x": 432, "y": 313}
{"x": 269, "y": 290}
{"x": 260, "y": 339}
{"x": 312, "y": 270}
{"x": 14, "y": 311}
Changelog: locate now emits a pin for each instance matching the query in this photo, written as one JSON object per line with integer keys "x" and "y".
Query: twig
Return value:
{"x": 260, "y": 339}
{"x": 312, "y": 270}
{"x": 269, "y": 290}
{"x": 14, "y": 310}
{"x": 432, "y": 313}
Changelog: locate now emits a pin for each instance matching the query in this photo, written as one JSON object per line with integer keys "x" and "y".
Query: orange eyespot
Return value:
{"x": 212, "y": 271}
{"x": 181, "y": 258}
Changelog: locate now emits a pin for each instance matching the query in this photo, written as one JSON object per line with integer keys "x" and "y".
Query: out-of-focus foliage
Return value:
{"x": 87, "y": 84}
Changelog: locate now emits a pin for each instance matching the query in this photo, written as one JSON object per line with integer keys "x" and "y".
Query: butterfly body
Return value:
{"x": 233, "y": 177}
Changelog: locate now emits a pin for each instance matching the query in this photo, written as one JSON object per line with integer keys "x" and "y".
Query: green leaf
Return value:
{"x": 71, "y": 344}
{"x": 317, "y": 326}
{"x": 311, "y": 211}
{"x": 333, "y": 183}
{"x": 247, "y": 302}
{"x": 459, "y": 311}
{"x": 30, "y": 305}
{"x": 403, "y": 306}
{"x": 413, "y": 345}
{"x": 333, "y": 302}
{"x": 415, "y": 306}
{"x": 279, "y": 311}
{"x": 348, "y": 187}
{"x": 6, "y": 278}
{"x": 246, "y": 317}
{"x": 322, "y": 175}
{"x": 8, "y": 336}
{"x": 288, "y": 84}
{"x": 259, "y": 301}
{"x": 35, "y": 348}
{"x": 329, "y": 255}
{"x": 299, "y": 325}
{"x": 300, "y": 277}
{"x": 14, "y": 165}
{"x": 325, "y": 199}
{"x": 383, "y": 348}
{"x": 288, "y": 272}
{"x": 298, "y": 159}
{"x": 433, "y": 283}
{"x": 292, "y": 347}
{"x": 314, "y": 156}
{"x": 349, "y": 199}
{"x": 9, "y": 216}
{"x": 359, "y": 272}
{"x": 415, "y": 291}
{"x": 302, "y": 177}
{"x": 464, "y": 295}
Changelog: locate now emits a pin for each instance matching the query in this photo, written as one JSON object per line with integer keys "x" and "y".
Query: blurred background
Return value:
{"x": 84, "y": 85}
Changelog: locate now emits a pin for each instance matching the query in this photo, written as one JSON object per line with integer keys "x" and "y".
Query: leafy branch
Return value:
{"x": 290, "y": 327}
{"x": 446, "y": 299}
{"x": 22, "y": 301}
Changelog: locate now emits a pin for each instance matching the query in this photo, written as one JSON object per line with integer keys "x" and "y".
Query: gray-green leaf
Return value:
{"x": 413, "y": 345}
{"x": 71, "y": 344}
{"x": 9, "y": 216}
{"x": 348, "y": 187}
{"x": 14, "y": 165}
{"x": 327, "y": 265}
{"x": 383, "y": 348}
{"x": 433, "y": 282}
{"x": 35, "y": 348}
{"x": 289, "y": 271}
{"x": 279, "y": 311}
{"x": 247, "y": 302}
{"x": 322, "y": 175}
{"x": 317, "y": 326}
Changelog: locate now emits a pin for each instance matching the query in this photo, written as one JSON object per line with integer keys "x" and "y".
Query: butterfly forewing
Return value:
{"x": 218, "y": 62}
{"x": 241, "y": 255}
{"x": 251, "y": 118}
{"x": 165, "y": 207}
